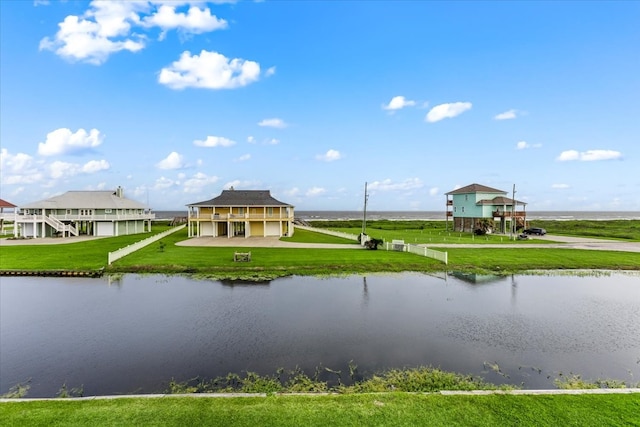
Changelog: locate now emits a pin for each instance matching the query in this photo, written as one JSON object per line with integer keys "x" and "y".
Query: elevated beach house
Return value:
{"x": 93, "y": 213}
{"x": 470, "y": 205}
{"x": 7, "y": 213}
{"x": 243, "y": 213}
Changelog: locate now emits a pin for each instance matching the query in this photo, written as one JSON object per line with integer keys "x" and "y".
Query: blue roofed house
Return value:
{"x": 93, "y": 213}
{"x": 243, "y": 213}
{"x": 471, "y": 204}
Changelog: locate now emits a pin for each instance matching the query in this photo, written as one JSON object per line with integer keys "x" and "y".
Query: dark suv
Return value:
{"x": 535, "y": 230}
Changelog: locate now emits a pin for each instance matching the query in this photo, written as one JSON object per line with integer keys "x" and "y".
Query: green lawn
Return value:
{"x": 386, "y": 409}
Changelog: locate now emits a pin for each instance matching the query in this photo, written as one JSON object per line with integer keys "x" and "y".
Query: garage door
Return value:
{"x": 105, "y": 229}
{"x": 273, "y": 229}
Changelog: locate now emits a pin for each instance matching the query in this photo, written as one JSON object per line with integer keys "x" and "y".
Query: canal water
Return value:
{"x": 136, "y": 333}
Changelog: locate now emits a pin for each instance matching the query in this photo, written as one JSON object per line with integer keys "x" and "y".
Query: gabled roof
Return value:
{"x": 86, "y": 200}
{"x": 5, "y": 204}
{"x": 475, "y": 188}
{"x": 499, "y": 201}
{"x": 242, "y": 198}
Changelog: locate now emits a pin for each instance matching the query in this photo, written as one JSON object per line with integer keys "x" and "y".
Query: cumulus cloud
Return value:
{"x": 389, "y": 185}
{"x": 507, "y": 115}
{"x": 195, "y": 21}
{"x": 522, "y": 145}
{"x": 398, "y": 103}
{"x": 164, "y": 183}
{"x": 251, "y": 140}
{"x": 315, "y": 191}
{"x": 59, "y": 169}
{"x": 209, "y": 70}
{"x": 589, "y": 155}
{"x": 172, "y": 161}
{"x": 295, "y": 191}
{"x": 197, "y": 182}
{"x": 447, "y": 111}
{"x": 273, "y": 123}
{"x": 329, "y": 156}
{"x": 560, "y": 186}
{"x": 272, "y": 141}
{"x": 433, "y": 191}
{"x": 214, "y": 141}
{"x": 270, "y": 71}
{"x": 243, "y": 158}
{"x": 108, "y": 27}
{"x": 19, "y": 168}
{"x": 241, "y": 184}
{"x": 63, "y": 141}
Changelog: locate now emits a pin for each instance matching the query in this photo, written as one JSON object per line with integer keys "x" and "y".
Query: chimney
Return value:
{"x": 120, "y": 192}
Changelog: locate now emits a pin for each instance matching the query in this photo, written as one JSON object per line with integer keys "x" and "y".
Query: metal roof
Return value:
{"x": 86, "y": 200}
{"x": 5, "y": 204}
{"x": 500, "y": 200}
{"x": 242, "y": 198}
{"x": 475, "y": 188}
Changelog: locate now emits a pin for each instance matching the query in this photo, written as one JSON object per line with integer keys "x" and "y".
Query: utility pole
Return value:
{"x": 513, "y": 212}
{"x": 364, "y": 218}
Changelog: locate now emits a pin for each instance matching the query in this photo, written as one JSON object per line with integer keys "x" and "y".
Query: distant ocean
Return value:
{"x": 433, "y": 215}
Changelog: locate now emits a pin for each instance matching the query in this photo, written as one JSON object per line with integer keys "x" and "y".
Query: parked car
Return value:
{"x": 535, "y": 230}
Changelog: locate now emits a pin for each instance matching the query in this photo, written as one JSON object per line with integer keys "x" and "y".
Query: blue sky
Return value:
{"x": 177, "y": 100}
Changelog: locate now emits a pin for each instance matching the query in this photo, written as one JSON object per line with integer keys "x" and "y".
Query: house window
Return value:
{"x": 69, "y": 211}
{"x": 107, "y": 211}
{"x": 455, "y": 209}
{"x": 270, "y": 211}
{"x": 463, "y": 209}
{"x": 241, "y": 211}
{"x": 466, "y": 197}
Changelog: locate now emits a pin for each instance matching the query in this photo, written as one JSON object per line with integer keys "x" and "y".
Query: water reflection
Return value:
{"x": 135, "y": 333}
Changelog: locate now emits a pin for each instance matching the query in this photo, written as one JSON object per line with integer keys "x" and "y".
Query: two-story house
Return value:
{"x": 472, "y": 203}
{"x": 241, "y": 213}
{"x": 93, "y": 213}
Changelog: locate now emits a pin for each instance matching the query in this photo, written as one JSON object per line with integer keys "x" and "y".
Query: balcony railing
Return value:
{"x": 232, "y": 217}
{"x": 105, "y": 217}
{"x": 507, "y": 214}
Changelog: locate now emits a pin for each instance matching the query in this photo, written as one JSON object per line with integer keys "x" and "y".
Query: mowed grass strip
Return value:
{"x": 386, "y": 409}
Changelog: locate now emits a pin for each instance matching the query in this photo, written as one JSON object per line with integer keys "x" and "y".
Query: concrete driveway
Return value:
{"x": 259, "y": 242}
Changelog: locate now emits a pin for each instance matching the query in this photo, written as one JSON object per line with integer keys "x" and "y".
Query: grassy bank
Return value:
{"x": 266, "y": 263}
{"x": 386, "y": 409}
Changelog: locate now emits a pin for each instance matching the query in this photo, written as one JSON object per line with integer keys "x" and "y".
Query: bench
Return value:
{"x": 242, "y": 256}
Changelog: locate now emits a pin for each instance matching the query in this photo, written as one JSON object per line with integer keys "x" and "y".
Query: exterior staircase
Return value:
{"x": 65, "y": 229}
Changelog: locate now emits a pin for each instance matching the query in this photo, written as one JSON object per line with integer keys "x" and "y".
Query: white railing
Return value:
{"x": 225, "y": 217}
{"x": 105, "y": 217}
{"x": 329, "y": 232}
{"x": 60, "y": 226}
{"x": 116, "y": 255}
{"x": 418, "y": 250}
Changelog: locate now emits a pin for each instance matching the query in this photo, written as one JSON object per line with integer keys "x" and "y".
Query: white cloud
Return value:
{"x": 295, "y": 191}
{"x": 63, "y": 141}
{"x": 589, "y": 155}
{"x": 214, "y": 141}
{"x": 433, "y": 191}
{"x": 18, "y": 168}
{"x": 108, "y": 27}
{"x": 200, "y": 180}
{"x": 209, "y": 70}
{"x": 102, "y": 30}
{"x": 59, "y": 169}
{"x": 273, "y": 123}
{"x": 244, "y": 158}
{"x": 270, "y": 71}
{"x": 272, "y": 141}
{"x": 398, "y": 103}
{"x": 251, "y": 140}
{"x": 447, "y": 111}
{"x": 315, "y": 191}
{"x": 522, "y": 145}
{"x": 329, "y": 156}
{"x": 389, "y": 185}
{"x": 237, "y": 184}
{"x": 163, "y": 183}
{"x": 507, "y": 115}
{"x": 172, "y": 161}
{"x": 94, "y": 166}
{"x": 195, "y": 21}
{"x": 560, "y": 186}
